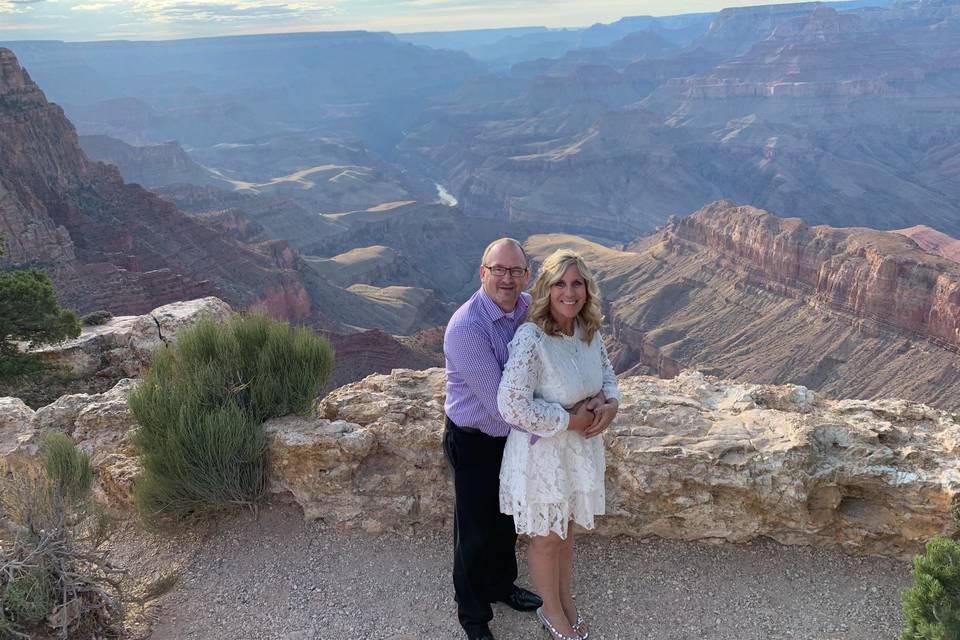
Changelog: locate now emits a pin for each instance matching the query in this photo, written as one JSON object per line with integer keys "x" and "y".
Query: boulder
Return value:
{"x": 162, "y": 325}
{"x": 123, "y": 346}
{"x": 700, "y": 458}
{"x": 374, "y": 461}
{"x": 16, "y": 423}
{"x": 100, "y": 424}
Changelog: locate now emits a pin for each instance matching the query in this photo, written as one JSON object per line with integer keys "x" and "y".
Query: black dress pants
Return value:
{"x": 484, "y": 540}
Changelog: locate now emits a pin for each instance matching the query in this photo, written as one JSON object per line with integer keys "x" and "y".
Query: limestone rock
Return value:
{"x": 123, "y": 346}
{"x": 374, "y": 460}
{"x": 104, "y": 425}
{"x": 163, "y": 323}
{"x": 100, "y": 424}
{"x": 695, "y": 458}
{"x": 870, "y": 477}
{"x": 116, "y": 473}
{"x": 15, "y": 423}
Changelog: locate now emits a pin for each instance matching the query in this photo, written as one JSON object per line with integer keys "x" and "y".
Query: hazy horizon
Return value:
{"x": 94, "y": 20}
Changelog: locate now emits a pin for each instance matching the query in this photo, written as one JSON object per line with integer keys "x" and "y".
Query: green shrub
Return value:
{"x": 29, "y": 313}
{"x": 96, "y": 318}
{"x": 29, "y": 597}
{"x": 55, "y": 581}
{"x": 66, "y": 466}
{"x": 201, "y": 405}
{"x": 931, "y": 607}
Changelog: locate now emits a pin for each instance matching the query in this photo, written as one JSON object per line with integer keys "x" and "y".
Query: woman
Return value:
{"x": 554, "y": 473}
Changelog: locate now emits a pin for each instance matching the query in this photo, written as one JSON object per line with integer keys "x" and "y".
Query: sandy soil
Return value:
{"x": 275, "y": 576}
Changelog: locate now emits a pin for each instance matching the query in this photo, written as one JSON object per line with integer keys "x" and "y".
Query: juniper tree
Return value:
{"x": 31, "y": 316}
{"x": 931, "y": 607}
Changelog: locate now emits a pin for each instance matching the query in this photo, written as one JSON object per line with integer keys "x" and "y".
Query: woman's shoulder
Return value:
{"x": 596, "y": 340}
{"x": 528, "y": 332}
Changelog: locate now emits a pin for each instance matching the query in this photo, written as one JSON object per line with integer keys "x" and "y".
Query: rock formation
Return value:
{"x": 695, "y": 458}
{"x": 933, "y": 241}
{"x": 123, "y": 346}
{"x": 873, "y": 276}
{"x": 740, "y": 293}
{"x": 840, "y": 115}
{"x": 149, "y": 165}
{"x": 106, "y": 244}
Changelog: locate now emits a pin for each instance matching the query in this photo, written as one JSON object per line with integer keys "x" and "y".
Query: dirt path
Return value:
{"x": 276, "y": 577}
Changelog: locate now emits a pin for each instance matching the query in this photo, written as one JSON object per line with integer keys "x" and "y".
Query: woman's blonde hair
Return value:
{"x": 552, "y": 272}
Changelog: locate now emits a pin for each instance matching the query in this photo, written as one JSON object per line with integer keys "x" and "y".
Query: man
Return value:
{"x": 475, "y": 348}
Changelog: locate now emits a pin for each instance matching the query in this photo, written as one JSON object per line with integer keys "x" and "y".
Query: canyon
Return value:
{"x": 738, "y": 292}
{"x": 837, "y": 114}
{"x": 109, "y": 245}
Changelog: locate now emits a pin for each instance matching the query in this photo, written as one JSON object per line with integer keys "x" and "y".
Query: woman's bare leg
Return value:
{"x": 566, "y": 579}
{"x": 543, "y": 561}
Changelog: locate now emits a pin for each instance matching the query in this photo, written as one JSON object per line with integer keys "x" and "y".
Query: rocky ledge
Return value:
{"x": 123, "y": 346}
{"x": 694, "y": 458}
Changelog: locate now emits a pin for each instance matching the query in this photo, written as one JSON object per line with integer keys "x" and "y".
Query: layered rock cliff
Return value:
{"x": 106, "y": 244}
{"x": 872, "y": 277}
{"x": 841, "y": 115}
{"x": 150, "y": 165}
{"x": 740, "y": 293}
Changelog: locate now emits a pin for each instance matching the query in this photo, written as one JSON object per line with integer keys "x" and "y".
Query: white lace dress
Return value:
{"x": 559, "y": 477}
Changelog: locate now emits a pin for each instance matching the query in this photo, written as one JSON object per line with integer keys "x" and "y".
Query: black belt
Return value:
{"x": 471, "y": 430}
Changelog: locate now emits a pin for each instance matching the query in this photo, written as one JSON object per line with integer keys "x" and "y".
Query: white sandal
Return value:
{"x": 578, "y": 627}
{"x": 549, "y": 628}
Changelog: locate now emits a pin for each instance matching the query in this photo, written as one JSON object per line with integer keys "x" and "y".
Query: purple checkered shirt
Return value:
{"x": 475, "y": 348}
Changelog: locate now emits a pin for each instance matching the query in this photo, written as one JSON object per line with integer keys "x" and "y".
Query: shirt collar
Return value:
{"x": 494, "y": 312}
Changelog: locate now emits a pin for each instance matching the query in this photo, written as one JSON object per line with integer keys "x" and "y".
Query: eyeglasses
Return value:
{"x": 516, "y": 272}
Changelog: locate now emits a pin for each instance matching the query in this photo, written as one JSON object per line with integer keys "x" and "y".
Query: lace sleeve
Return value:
{"x": 610, "y": 389}
{"x": 520, "y": 379}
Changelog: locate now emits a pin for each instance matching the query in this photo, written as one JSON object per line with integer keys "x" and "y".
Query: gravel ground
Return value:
{"x": 276, "y": 577}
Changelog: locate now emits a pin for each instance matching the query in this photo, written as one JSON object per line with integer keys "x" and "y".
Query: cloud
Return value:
{"x": 180, "y": 11}
{"x": 96, "y": 6}
{"x": 22, "y": 6}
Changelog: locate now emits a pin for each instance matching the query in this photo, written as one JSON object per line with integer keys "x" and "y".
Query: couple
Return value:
{"x": 521, "y": 427}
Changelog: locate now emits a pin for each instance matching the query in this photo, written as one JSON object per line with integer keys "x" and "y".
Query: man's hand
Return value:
{"x": 604, "y": 415}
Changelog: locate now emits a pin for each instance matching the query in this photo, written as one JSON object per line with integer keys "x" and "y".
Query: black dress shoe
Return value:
{"x": 522, "y": 600}
{"x": 479, "y": 633}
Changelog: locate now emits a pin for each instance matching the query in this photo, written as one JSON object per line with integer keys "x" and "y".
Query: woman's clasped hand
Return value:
{"x": 591, "y": 416}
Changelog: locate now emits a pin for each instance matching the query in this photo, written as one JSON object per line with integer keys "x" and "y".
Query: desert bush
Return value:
{"x": 96, "y": 318}
{"x": 931, "y": 606}
{"x": 201, "y": 405}
{"x": 66, "y": 466}
{"x": 53, "y": 576}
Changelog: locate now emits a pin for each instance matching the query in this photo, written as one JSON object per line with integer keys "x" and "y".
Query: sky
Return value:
{"x": 82, "y": 20}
